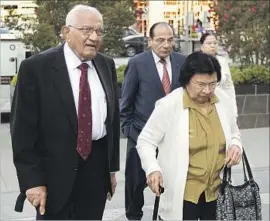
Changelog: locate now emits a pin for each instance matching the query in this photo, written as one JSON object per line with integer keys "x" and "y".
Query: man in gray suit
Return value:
{"x": 149, "y": 76}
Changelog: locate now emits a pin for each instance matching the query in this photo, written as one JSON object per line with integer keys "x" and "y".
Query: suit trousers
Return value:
{"x": 89, "y": 193}
{"x": 135, "y": 182}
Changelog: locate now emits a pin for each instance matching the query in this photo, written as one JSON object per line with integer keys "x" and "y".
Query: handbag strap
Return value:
{"x": 244, "y": 158}
{"x": 226, "y": 178}
{"x": 227, "y": 171}
{"x": 244, "y": 166}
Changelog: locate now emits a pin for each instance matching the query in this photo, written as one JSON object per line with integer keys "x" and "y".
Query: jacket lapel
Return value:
{"x": 103, "y": 75}
{"x": 224, "y": 121}
{"x": 175, "y": 71}
{"x": 153, "y": 72}
{"x": 63, "y": 86}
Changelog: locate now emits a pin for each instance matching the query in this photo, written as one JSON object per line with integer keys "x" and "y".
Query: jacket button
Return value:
{"x": 75, "y": 168}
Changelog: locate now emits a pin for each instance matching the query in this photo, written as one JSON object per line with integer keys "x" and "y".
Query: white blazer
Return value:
{"x": 226, "y": 82}
{"x": 168, "y": 129}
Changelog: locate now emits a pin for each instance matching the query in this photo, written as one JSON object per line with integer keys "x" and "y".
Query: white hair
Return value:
{"x": 77, "y": 9}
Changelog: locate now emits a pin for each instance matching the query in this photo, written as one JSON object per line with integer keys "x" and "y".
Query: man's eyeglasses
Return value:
{"x": 203, "y": 85}
{"x": 89, "y": 30}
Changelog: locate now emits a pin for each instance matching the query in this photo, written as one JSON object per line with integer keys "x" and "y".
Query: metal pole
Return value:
{"x": 189, "y": 29}
{"x": 187, "y": 19}
{"x": 16, "y": 65}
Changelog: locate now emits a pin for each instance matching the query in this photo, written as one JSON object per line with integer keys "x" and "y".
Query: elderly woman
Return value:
{"x": 209, "y": 45}
{"x": 196, "y": 133}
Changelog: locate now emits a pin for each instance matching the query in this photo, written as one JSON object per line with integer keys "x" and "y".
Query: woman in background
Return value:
{"x": 209, "y": 45}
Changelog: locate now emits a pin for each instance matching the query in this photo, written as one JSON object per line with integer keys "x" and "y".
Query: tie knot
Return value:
{"x": 83, "y": 67}
{"x": 163, "y": 61}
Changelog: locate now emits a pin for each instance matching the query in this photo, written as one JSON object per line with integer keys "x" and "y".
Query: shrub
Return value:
{"x": 254, "y": 74}
{"x": 194, "y": 35}
{"x": 120, "y": 73}
{"x": 14, "y": 80}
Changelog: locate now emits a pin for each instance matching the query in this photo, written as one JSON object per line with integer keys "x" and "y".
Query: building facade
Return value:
{"x": 25, "y": 9}
{"x": 184, "y": 16}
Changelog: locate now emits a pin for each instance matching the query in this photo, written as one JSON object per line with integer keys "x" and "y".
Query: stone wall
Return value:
{"x": 253, "y": 105}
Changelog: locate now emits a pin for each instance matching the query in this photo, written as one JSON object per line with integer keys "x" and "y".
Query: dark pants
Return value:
{"x": 135, "y": 182}
{"x": 203, "y": 210}
{"x": 89, "y": 193}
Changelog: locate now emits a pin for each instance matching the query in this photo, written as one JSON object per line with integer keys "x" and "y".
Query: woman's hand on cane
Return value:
{"x": 155, "y": 181}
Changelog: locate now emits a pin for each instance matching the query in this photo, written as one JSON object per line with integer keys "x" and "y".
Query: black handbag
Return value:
{"x": 240, "y": 202}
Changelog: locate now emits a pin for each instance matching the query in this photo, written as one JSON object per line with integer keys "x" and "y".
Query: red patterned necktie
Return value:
{"x": 165, "y": 78}
{"x": 84, "y": 139}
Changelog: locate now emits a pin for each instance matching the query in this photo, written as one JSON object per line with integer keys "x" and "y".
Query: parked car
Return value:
{"x": 129, "y": 32}
{"x": 134, "y": 44}
{"x": 177, "y": 45}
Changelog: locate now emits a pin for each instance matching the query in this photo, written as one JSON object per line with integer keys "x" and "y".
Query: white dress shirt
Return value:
{"x": 98, "y": 99}
{"x": 160, "y": 66}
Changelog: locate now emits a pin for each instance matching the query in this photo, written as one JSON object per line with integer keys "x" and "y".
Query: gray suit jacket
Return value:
{"x": 141, "y": 88}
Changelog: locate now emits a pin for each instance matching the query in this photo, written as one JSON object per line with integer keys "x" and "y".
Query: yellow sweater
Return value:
{"x": 206, "y": 152}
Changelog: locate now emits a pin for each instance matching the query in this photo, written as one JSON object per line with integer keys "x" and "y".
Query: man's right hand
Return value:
{"x": 154, "y": 181}
{"x": 37, "y": 197}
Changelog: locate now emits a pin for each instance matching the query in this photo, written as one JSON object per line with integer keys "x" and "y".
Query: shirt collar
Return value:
{"x": 188, "y": 103}
{"x": 73, "y": 62}
{"x": 157, "y": 58}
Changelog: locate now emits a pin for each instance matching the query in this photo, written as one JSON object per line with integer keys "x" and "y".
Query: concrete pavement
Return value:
{"x": 256, "y": 142}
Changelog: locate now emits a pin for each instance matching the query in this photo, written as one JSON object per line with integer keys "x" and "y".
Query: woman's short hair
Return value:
{"x": 205, "y": 35}
{"x": 199, "y": 63}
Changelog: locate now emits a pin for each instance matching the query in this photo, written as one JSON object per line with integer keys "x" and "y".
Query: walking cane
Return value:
{"x": 155, "y": 212}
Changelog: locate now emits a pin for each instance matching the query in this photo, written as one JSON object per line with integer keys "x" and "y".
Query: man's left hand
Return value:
{"x": 114, "y": 184}
{"x": 233, "y": 155}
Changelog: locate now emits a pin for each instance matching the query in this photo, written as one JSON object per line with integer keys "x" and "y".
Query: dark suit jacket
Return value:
{"x": 141, "y": 88}
{"x": 44, "y": 123}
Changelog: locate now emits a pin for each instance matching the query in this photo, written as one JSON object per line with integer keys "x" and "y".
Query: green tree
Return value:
{"x": 244, "y": 29}
{"x": 42, "y": 38}
{"x": 51, "y": 17}
{"x": 116, "y": 19}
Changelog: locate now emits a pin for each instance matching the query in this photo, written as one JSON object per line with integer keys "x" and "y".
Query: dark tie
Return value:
{"x": 84, "y": 139}
{"x": 165, "y": 78}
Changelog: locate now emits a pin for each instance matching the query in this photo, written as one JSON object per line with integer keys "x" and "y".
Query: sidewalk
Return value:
{"x": 256, "y": 143}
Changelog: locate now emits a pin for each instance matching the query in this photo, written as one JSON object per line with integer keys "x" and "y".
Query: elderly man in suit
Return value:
{"x": 65, "y": 124}
{"x": 149, "y": 76}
